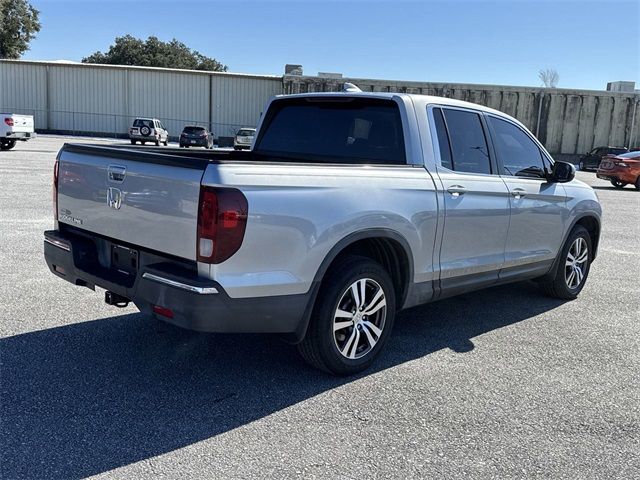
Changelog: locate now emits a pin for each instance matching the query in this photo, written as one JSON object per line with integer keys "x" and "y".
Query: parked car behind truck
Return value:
{"x": 591, "y": 160}
{"x": 150, "y": 130}
{"x": 244, "y": 138}
{"x": 621, "y": 170}
{"x": 194, "y": 136}
{"x": 349, "y": 207}
{"x": 15, "y": 128}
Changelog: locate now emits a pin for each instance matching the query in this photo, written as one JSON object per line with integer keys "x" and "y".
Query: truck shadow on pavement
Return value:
{"x": 86, "y": 398}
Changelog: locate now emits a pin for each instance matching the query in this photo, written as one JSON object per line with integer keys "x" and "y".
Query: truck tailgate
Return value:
{"x": 142, "y": 198}
{"x": 21, "y": 123}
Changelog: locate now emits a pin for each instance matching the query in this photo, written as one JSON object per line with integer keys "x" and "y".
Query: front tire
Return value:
{"x": 581, "y": 165}
{"x": 352, "y": 318}
{"x": 133, "y": 142}
{"x": 618, "y": 183}
{"x": 573, "y": 266}
{"x": 637, "y": 184}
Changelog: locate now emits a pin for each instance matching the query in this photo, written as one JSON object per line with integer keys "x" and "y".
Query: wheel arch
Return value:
{"x": 385, "y": 246}
{"x": 592, "y": 224}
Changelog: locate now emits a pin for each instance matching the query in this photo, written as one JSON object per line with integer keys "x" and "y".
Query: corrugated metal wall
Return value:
{"x": 106, "y": 99}
{"x": 23, "y": 90}
{"x": 239, "y": 101}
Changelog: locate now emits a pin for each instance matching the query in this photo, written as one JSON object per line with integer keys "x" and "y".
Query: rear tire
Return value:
{"x": 7, "y": 144}
{"x": 345, "y": 333}
{"x": 574, "y": 263}
{"x": 637, "y": 184}
{"x": 166, "y": 143}
{"x": 618, "y": 183}
{"x": 581, "y": 165}
{"x": 157, "y": 142}
{"x": 133, "y": 142}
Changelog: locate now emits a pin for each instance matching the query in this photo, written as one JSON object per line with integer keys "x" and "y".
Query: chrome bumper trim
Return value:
{"x": 57, "y": 243}
{"x": 183, "y": 286}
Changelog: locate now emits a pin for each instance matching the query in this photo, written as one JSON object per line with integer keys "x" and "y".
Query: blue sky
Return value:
{"x": 504, "y": 42}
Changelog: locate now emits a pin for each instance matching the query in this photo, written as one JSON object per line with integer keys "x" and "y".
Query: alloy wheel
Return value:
{"x": 359, "y": 318}
{"x": 576, "y": 263}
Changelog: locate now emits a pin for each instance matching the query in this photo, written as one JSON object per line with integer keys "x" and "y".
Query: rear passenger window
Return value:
{"x": 519, "y": 155}
{"x": 468, "y": 143}
{"x": 333, "y": 131}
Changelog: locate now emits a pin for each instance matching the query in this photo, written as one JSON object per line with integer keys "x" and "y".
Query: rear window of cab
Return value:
{"x": 331, "y": 130}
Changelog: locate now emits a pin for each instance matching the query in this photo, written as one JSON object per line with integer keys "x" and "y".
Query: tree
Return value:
{"x": 153, "y": 52}
{"x": 19, "y": 24}
{"x": 549, "y": 77}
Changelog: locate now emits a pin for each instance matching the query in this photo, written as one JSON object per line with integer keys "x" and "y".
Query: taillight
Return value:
{"x": 222, "y": 220}
{"x": 55, "y": 190}
{"x": 9, "y": 121}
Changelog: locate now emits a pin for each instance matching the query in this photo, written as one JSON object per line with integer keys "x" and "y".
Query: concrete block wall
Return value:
{"x": 569, "y": 122}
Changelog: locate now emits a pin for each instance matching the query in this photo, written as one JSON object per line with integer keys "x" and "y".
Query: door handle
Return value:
{"x": 518, "y": 192}
{"x": 456, "y": 190}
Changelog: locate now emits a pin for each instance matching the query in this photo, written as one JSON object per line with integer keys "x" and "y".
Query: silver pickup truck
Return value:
{"x": 349, "y": 208}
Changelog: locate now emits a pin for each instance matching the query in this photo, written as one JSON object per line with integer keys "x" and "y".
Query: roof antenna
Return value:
{"x": 350, "y": 87}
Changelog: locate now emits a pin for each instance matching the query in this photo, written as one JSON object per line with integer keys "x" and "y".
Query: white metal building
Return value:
{"x": 104, "y": 99}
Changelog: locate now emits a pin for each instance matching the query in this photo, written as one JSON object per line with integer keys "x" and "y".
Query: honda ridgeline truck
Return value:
{"x": 350, "y": 207}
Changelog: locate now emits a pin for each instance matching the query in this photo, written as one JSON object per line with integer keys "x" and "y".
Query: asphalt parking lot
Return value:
{"x": 503, "y": 383}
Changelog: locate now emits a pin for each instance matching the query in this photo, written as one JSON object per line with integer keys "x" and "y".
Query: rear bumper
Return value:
{"x": 146, "y": 138}
{"x": 195, "y": 303}
{"x": 24, "y": 136}
{"x": 625, "y": 176}
{"x": 194, "y": 142}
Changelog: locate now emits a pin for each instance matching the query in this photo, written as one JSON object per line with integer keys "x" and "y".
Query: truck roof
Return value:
{"x": 418, "y": 98}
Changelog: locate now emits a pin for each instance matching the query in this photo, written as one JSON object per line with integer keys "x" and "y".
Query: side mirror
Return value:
{"x": 562, "y": 172}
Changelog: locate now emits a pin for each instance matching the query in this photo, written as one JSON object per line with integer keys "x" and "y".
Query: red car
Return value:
{"x": 621, "y": 170}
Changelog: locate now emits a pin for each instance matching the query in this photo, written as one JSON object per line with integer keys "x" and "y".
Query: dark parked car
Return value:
{"x": 591, "y": 160}
{"x": 193, "y": 136}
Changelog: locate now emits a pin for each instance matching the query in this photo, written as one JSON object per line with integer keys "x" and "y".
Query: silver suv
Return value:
{"x": 150, "y": 130}
{"x": 244, "y": 138}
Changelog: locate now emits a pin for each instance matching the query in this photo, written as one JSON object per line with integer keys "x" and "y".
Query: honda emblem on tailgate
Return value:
{"x": 114, "y": 198}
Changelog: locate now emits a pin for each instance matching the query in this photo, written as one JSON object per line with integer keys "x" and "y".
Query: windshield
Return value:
{"x": 246, "y": 133}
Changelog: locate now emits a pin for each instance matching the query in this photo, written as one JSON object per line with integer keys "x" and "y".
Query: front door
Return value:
{"x": 538, "y": 207}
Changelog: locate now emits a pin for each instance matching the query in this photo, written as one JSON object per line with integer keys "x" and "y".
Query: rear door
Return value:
{"x": 538, "y": 207}
{"x": 142, "y": 198}
{"x": 476, "y": 202}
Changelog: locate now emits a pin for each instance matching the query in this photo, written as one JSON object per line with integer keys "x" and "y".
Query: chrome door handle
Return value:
{"x": 518, "y": 192}
{"x": 456, "y": 190}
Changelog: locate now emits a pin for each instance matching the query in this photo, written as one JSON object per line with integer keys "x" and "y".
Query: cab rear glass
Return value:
{"x": 333, "y": 130}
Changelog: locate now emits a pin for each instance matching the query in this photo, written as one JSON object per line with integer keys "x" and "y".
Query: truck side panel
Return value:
{"x": 297, "y": 213}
